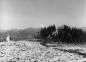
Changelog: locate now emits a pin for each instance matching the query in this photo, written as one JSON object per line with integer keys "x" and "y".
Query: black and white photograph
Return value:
{"x": 42, "y": 30}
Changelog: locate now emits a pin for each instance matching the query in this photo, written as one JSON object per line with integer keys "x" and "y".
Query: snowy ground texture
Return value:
{"x": 27, "y": 51}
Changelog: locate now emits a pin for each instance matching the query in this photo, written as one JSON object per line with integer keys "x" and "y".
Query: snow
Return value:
{"x": 28, "y": 51}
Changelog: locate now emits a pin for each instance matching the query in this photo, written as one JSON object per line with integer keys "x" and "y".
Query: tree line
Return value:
{"x": 63, "y": 33}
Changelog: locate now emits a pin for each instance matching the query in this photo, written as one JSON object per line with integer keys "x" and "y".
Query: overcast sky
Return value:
{"x": 28, "y": 13}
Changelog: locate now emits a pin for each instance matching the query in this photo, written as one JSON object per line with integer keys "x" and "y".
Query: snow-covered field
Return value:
{"x": 27, "y": 51}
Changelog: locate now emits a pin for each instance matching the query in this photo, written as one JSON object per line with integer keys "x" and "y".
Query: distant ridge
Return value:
{"x": 83, "y": 28}
{"x": 39, "y": 26}
{"x": 3, "y": 30}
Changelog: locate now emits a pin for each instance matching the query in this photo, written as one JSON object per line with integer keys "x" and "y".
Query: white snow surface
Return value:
{"x": 27, "y": 51}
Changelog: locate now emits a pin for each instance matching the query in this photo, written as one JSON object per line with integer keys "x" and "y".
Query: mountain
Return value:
{"x": 39, "y": 26}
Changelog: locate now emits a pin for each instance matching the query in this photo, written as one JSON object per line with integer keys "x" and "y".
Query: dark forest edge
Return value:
{"x": 64, "y": 34}
{"x": 51, "y": 33}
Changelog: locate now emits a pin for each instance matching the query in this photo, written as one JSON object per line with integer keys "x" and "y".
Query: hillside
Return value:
{"x": 20, "y": 34}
